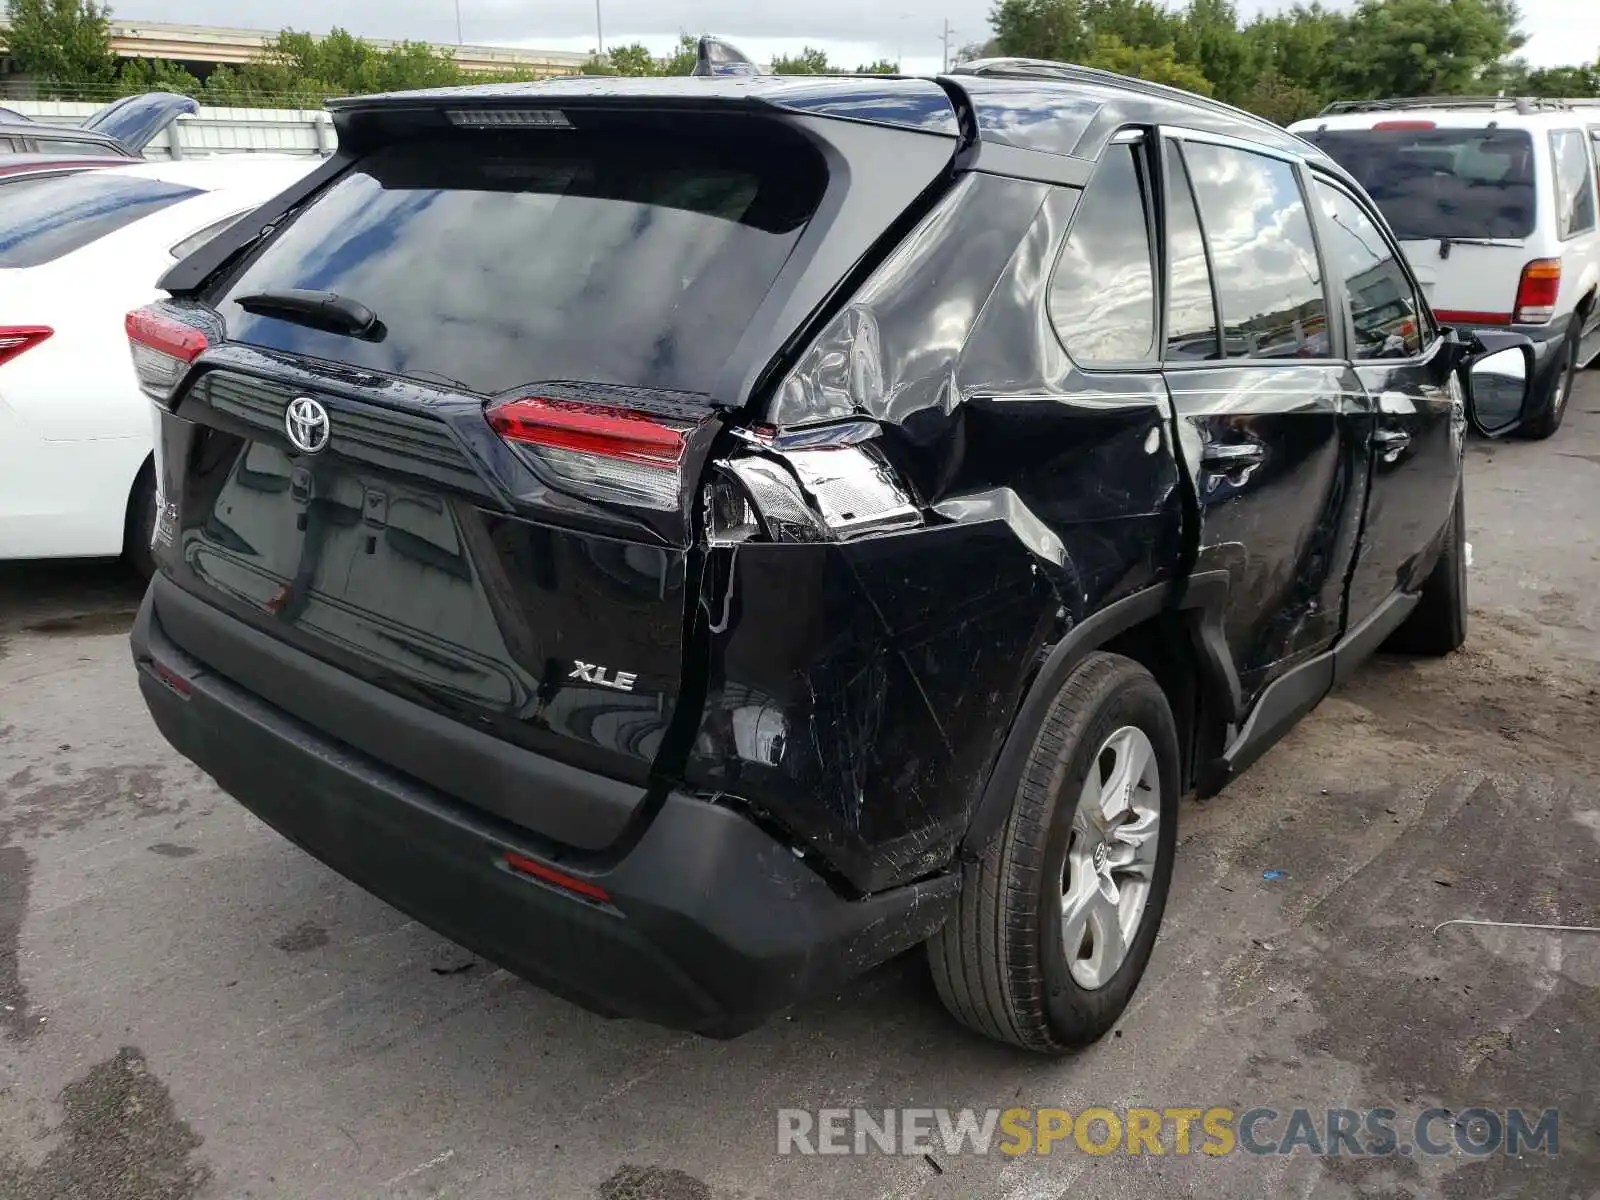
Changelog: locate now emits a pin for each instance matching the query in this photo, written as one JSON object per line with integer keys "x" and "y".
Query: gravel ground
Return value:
{"x": 190, "y": 1007}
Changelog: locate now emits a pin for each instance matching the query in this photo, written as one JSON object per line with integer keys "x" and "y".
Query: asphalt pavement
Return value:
{"x": 190, "y": 1007}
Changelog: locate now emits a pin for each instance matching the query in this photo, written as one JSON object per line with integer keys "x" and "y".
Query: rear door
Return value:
{"x": 1262, "y": 408}
{"x": 484, "y": 498}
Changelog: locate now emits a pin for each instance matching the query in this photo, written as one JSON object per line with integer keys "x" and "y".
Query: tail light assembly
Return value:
{"x": 597, "y": 450}
{"x": 163, "y": 347}
{"x": 1537, "y": 292}
{"x": 18, "y": 339}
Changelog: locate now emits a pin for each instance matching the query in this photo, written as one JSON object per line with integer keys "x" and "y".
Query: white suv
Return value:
{"x": 1495, "y": 204}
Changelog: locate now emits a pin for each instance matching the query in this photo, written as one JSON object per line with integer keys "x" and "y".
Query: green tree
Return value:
{"x": 1209, "y": 38}
{"x": 61, "y": 42}
{"x": 139, "y": 75}
{"x": 1423, "y": 47}
{"x": 882, "y": 67}
{"x": 1052, "y": 29}
{"x": 1276, "y": 99}
{"x": 1158, "y": 64}
{"x": 1570, "y": 82}
{"x": 683, "y": 60}
{"x": 810, "y": 61}
{"x": 633, "y": 60}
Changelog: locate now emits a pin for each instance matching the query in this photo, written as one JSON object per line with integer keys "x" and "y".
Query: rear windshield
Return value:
{"x": 42, "y": 219}
{"x": 1442, "y": 183}
{"x": 494, "y": 262}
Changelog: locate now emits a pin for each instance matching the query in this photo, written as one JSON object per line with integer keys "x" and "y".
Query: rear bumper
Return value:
{"x": 710, "y": 925}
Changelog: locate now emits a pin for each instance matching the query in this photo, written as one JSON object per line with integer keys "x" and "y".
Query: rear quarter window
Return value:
{"x": 494, "y": 262}
{"x": 1574, "y": 170}
{"x": 42, "y": 219}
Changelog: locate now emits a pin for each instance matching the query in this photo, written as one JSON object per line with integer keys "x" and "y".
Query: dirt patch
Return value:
{"x": 120, "y": 1139}
{"x": 91, "y": 794}
{"x": 83, "y": 624}
{"x": 304, "y": 936}
{"x": 653, "y": 1183}
{"x": 16, "y": 873}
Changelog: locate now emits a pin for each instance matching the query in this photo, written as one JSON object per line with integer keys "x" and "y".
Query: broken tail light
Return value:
{"x": 806, "y": 493}
{"x": 17, "y": 339}
{"x": 163, "y": 347}
{"x": 1537, "y": 291}
{"x": 608, "y": 453}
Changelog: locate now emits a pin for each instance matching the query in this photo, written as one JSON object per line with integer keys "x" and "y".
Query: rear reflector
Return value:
{"x": 1405, "y": 125}
{"x": 16, "y": 339}
{"x": 162, "y": 349}
{"x": 1455, "y": 316}
{"x": 609, "y": 453}
{"x": 1537, "y": 291}
{"x": 534, "y": 869}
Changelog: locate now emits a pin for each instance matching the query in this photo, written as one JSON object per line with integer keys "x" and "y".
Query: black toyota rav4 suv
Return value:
{"x": 691, "y": 540}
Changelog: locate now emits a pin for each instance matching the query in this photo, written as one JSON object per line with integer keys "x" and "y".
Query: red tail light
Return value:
{"x": 611, "y": 453}
{"x": 16, "y": 339}
{"x": 1537, "y": 292}
{"x": 162, "y": 347}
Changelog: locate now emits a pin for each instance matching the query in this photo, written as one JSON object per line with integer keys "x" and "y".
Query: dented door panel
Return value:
{"x": 1276, "y": 455}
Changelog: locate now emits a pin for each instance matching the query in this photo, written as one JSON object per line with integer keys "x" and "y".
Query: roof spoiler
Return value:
{"x": 713, "y": 56}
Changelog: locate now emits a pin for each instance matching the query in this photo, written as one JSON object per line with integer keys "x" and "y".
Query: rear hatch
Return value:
{"x": 450, "y": 423}
{"x": 1462, "y": 200}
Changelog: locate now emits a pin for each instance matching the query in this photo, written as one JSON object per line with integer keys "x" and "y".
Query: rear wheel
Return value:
{"x": 1438, "y": 625}
{"x": 140, "y": 524}
{"x": 1548, "y": 421}
{"x": 1055, "y": 925}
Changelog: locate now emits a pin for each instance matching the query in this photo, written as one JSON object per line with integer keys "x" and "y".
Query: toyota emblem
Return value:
{"x": 307, "y": 424}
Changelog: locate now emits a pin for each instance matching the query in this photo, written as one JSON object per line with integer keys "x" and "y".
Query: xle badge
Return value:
{"x": 620, "y": 681}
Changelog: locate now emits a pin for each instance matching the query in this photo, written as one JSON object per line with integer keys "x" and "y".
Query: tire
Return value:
{"x": 1438, "y": 624}
{"x": 1548, "y": 421}
{"x": 1001, "y": 963}
{"x": 140, "y": 524}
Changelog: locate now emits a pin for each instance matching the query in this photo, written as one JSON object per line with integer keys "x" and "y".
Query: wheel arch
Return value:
{"x": 1175, "y": 630}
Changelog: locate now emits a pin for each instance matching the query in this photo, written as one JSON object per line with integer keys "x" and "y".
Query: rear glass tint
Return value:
{"x": 45, "y": 218}
{"x": 494, "y": 262}
{"x": 1442, "y": 183}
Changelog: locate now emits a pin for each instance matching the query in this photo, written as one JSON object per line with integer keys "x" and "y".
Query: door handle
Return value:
{"x": 1390, "y": 442}
{"x": 1228, "y": 456}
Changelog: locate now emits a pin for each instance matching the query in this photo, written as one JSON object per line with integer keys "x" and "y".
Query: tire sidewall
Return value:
{"x": 1139, "y": 702}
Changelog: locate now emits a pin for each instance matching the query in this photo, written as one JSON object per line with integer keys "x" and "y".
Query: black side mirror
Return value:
{"x": 1496, "y": 372}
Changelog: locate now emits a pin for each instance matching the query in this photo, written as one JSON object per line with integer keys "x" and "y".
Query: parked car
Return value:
{"x": 120, "y": 130}
{"x": 691, "y": 540}
{"x": 77, "y": 250}
{"x": 1494, "y": 202}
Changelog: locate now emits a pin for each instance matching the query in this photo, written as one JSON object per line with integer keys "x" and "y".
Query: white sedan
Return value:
{"x": 78, "y": 250}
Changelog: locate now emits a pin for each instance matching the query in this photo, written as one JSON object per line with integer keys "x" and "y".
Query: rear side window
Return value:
{"x": 1574, "y": 182}
{"x": 1269, "y": 279}
{"x": 43, "y": 219}
{"x": 1103, "y": 296}
{"x": 1383, "y": 306}
{"x": 498, "y": 261}
{"x": 1442, "y": 183}
{"x": 1192, "y": 328}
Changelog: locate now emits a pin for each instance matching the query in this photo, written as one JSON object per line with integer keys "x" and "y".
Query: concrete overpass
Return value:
{"x": 202, "y": 48}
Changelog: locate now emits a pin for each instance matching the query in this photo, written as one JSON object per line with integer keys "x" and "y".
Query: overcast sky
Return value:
{"x": 853, "y": 31}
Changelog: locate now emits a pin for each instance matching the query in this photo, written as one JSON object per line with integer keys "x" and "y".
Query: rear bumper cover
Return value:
{"x": 711, "y": 924}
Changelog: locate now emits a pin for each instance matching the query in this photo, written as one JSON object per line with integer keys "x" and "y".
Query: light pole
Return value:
{"x": 458, "y": 22}
{"x": 599, "y": 32}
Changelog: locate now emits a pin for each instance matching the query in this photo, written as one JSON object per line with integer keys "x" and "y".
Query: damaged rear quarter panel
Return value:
{"x": 859, "y": 692}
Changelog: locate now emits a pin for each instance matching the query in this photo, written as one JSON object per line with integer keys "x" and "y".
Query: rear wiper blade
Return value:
{"x": 327, "y": 311}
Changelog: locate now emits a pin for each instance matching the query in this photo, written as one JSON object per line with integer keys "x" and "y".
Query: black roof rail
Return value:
{"x": 1043, "y": 68}
{"x": 1523, "y": 105}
